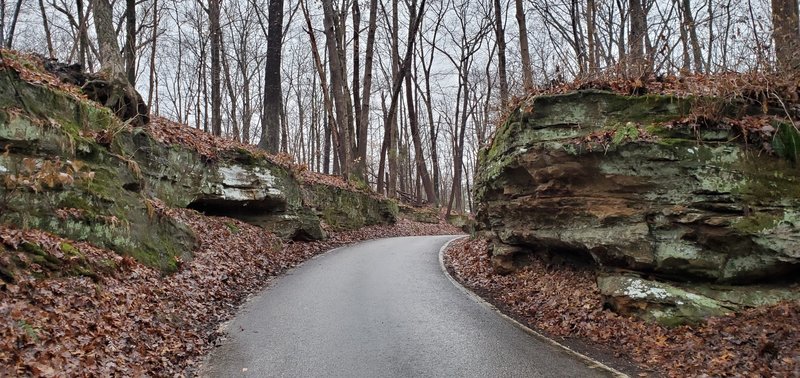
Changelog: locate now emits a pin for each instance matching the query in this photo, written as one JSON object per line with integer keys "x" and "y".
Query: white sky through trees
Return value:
{"x": 732, "y": 36}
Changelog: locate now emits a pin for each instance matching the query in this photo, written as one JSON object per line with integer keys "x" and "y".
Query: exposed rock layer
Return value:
{"x": 594, "y": 176}
{"x": 71, "y": 167}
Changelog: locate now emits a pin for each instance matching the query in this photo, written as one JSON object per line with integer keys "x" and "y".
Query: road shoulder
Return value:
{"x": 575, "y": 348}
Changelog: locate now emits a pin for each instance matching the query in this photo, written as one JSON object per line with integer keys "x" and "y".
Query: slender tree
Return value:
{"x": 786, "y": 34}
{"x": 500, "y": 40}
{"x": 636, "y": 38}
{"x": 334, "y": 41}
{"x": 270, "y": 116}
{"x": 524, "y": 50}
{"x": 153, "y": 49}
{"x": 118, "y": 92}
{"x": 363, "y": 124}
{"x": 14, "y": 18}
{"x": 591, "y": 31}
{"x": 419, "y": 157}
{"x": 215, "y": 33}
{"x": 51, "y": 52}
{"x": 83, "y": 35}
{"x": 130, "y": 40}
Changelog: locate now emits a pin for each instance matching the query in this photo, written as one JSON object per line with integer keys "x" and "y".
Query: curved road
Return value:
{"x": 381, "y": 308}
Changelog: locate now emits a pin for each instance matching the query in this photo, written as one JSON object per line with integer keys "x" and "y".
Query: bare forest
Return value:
{"x": 395, "y": 95}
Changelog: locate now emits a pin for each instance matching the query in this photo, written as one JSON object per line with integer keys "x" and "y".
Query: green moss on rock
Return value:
{"x": 343, "y": 209}
{"x": 598, "y": 174}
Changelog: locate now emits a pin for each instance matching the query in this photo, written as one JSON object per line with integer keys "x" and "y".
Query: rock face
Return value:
{"x": 680, "y": 303}
{"x": 237, "y": 184}
{"x": 70, "y": 167}
{"x": 597, "y": 176}
{"x": 424, "y": 214}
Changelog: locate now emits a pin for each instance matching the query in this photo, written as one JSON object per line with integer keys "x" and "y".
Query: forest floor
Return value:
{"x": 117, "y": 317}
{"x": 564, "y": 303}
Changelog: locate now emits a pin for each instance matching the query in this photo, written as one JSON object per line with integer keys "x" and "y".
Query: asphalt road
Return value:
{"x": 381, "y": 308}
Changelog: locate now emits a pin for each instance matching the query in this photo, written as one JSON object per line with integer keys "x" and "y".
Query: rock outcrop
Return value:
{"x": 679, "y": 303}
{"x": 71, "y": 167}
{"x": 423, "y": 214}
{"x": 618, "y": 181}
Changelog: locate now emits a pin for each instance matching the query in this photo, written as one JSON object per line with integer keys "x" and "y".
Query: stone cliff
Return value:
{"x": 70, "y": 167}
{"x": 682, "y": 217}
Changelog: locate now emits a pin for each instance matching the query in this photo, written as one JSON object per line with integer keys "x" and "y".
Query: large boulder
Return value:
{"x": 345, "y": 209}
{"x": 609, "y": 177}
{"x": 675, "y": 304}
{"x": 657, "y": 301}
{"x": 423, "y": 214}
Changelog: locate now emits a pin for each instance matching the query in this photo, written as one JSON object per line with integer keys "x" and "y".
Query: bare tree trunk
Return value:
{"x": 527, "y": 74}
{"x": 500, "y": 35}
{"x": 154, "y": 37}
{"x": 621, "y": 51}
{"x": 247, "y": 109}
{"x": 434, "y": 130}
{"x": 392, "y": 125}
{"x": 363, "y": 123}
{"x": 233, "y": 96}
{"x": 2, "y": 21}
{"x": 580, "y": 54}
{"x": 785, "y": 33}
{"x": 357, "y": 84}
{"x": 202, "y": 78}
{"x": 341, "y": 93}
{"x": 15, "y": 17}
{"x": 427, "y": 65}
{"x": 335, "y": 69}
{"x": 684, "y": 38}
{"x": 327, "y": 148}
{"x": 381, "y": 181}
{"x": 83, "y": 36}
{"x": 119, "y": 95}
{"x": 636, "y": 38}
{"x": 419, "y": 158}
{"x": 711, "y": 35}
{"x": 216, "y": 69}
{"x": 284, "y": 129}
{"x": 591, "y": 30}
{"x": 691, "y": 28}
{"x": 404, "y": 67}
{"x": 51, "y": 53}
{"x": 270, "y": 115}
{"x": 330, "y": 121}
{"x": 456, "y": 194}
{"x": 130, "y": 40}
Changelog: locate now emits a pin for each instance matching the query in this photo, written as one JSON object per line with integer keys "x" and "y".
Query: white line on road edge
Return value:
{"x": 591, "y": 362}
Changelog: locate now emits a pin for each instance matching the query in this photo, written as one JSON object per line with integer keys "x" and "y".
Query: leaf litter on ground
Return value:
{"x": 564, "y": 301}
{"x": 116, "y": 317}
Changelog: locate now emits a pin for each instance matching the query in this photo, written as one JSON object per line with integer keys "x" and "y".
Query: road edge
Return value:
{"x": 590, "y": 362}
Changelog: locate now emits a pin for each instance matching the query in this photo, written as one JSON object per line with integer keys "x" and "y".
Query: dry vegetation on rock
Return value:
{"x": 564, "y": 302}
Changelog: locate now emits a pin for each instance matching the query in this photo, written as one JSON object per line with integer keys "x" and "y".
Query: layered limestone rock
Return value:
{"x": 236, "y": 184}
{"x": 424, "y": 214}
{"x": 680, "y": 303}
{"x": 69, "y": 166}
{"x": 343, "y": 209}
{"x": 598, "y": 176}
{"x": 58, "y": 179}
